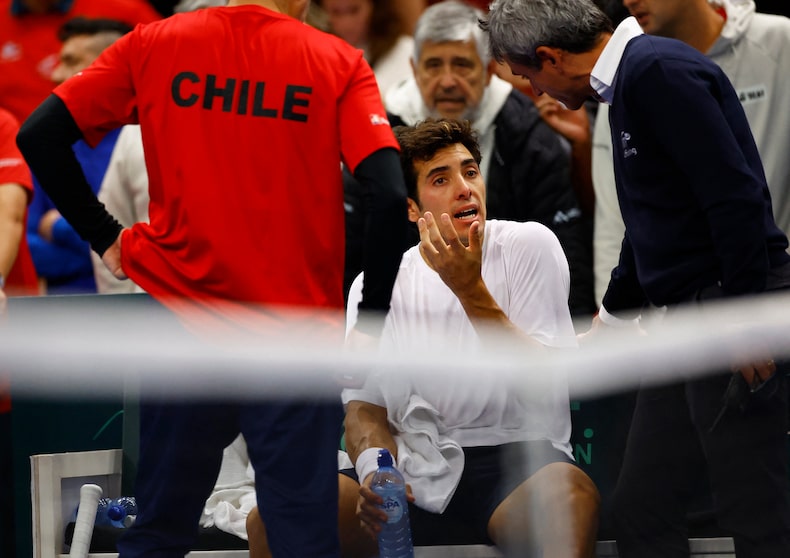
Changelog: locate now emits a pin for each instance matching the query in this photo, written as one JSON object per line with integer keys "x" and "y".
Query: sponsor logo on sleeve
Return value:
{"x": 5, "y": 163}
{"x": 10, "y": 52}
{"x": 379, "y": 120}
{"x": 46, "y": 65}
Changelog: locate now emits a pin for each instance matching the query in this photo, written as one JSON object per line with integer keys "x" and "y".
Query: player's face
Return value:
{"x": 76, "y": 54}
{"x": 450, "y": 182}
{"x": 349, "y": 19}
{"x": 658, "y": 17}
{"x": 451, "y": 78}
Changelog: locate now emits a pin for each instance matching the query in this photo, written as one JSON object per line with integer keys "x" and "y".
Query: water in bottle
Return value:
{"x": 101, "y": 512}
{"x": 395, "y": 534}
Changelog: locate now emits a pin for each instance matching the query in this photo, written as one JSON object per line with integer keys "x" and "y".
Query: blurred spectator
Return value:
{"x": 17, "y": 274}
{"x": 614, "y": 9}
{"x": 170, "y": 7}
{"x": 61, "y": 257}
{"x": 409, "y": 12}
{"x": 164, "y": 7}
{"x": 479, "y": 4}
{"x": 375, "y": 27}
{"x": 17, "y": 277}
{"x": 29, "y": 43}
{"x": 575, "y": 126}
{"x": 191, "y": 5}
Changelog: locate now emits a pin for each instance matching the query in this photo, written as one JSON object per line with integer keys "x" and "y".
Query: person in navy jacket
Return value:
{"x": 699, "y": 225}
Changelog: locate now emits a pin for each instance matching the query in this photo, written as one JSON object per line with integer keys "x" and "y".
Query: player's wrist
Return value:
{"x": 367, "y": 463}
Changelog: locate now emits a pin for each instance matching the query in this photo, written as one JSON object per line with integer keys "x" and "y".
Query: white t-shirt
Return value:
{"x": 526, "y": 272}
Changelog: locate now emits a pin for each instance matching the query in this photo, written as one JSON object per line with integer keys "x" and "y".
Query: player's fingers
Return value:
{"x": 434, "y": 235}
{"x": 370, "y": 515}
{"x": 368, "y": 524}
{"x": 475, "y": 237}
{"x": 449, "y": 234}
{"x": 425, "y": 237}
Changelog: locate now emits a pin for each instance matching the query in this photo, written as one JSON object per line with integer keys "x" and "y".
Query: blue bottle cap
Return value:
{"x": 385, "y": 458}
{"x": 116, "y": 513}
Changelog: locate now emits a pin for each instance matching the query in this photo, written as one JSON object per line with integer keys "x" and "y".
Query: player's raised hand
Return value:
{"x": 458, "y": 265}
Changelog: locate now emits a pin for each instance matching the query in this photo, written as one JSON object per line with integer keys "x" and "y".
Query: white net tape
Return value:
{"x": 90, "y": 349}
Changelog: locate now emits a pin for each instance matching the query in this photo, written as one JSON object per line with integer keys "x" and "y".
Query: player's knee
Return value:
{"x": 567, "y": 487}
{"x": 584, "y": 490}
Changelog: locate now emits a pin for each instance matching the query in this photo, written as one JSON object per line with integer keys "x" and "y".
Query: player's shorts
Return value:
{"x": 490, "y": 474}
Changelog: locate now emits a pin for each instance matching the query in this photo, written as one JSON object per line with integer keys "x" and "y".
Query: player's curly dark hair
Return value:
{"x": 421, "y": 142}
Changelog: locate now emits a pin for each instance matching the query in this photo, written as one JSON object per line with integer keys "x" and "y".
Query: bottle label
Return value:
{"x": 393, "y": 508}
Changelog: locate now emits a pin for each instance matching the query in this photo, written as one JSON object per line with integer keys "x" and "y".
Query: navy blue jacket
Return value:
{"x": 689, "y": 179}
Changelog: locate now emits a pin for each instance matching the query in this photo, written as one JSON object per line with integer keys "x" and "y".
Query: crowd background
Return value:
{"x": 27, "y": 81}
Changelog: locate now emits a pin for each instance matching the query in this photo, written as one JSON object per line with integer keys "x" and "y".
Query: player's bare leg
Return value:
{"x": 354, "y": 541}
{"x": 554, "y": 512}
{"x": 256, "y": 535}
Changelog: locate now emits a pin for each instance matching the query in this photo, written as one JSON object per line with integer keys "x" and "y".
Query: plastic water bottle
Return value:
{"x": 117, "y": 513}
{"x": 395, "y": 534}
{"x": 101, "y": 512}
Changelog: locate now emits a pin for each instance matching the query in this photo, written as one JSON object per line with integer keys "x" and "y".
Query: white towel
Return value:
{"x": 430, "y": 462}
{"x": 228, "y": 510}
{"x": 233, "y": 496}
{"x": 343, "y": 461}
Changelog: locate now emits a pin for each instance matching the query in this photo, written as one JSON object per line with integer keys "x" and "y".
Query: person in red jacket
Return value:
{"x": 29, "y": 45}
{"x": 246, "y": 114}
